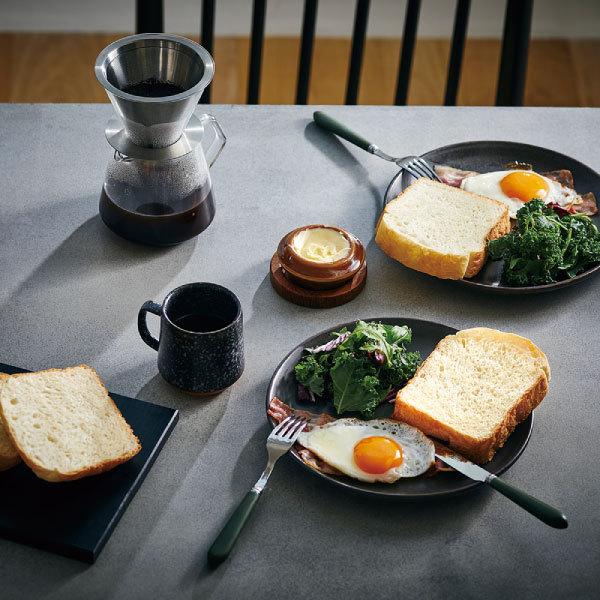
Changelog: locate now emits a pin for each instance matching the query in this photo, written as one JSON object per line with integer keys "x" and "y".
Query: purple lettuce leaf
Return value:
{"x": 329, "y": 346}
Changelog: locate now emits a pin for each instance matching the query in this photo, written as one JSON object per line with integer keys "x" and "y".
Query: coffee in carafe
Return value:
{"x": 157, "y": 188}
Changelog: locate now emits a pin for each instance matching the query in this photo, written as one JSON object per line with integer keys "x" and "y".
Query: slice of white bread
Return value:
{"x": 64, "y": 424}
{"x": 441, "y": 230}
{"x": 473, "y": 390}
{"x": 9, "y": 456}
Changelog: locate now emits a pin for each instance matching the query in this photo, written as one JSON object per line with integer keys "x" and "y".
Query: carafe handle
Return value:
{"x": 212, "y": 144}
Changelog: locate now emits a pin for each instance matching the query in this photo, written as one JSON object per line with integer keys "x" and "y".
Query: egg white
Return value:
{"x": 334, "y": 444}
{"x": 488, "y": 184}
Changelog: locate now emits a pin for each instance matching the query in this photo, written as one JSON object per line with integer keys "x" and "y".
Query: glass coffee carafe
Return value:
{"x": 157, "y": 188}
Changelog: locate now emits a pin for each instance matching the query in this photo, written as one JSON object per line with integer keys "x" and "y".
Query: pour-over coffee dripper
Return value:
{"x": 157, "y": 188}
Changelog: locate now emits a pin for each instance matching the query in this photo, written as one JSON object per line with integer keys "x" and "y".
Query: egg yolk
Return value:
{"x": 524, "y": 186}
{"x": 377, "y": 454}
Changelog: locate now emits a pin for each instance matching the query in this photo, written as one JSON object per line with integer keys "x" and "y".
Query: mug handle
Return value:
{"x": 212, "y": 145}
{"x": 155, "y": 309}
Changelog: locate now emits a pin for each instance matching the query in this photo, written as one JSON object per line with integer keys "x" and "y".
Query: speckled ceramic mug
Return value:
{"x": 201, "y": 345}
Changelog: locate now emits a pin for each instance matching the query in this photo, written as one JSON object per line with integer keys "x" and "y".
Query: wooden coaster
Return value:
{"x": 316, "y": 298}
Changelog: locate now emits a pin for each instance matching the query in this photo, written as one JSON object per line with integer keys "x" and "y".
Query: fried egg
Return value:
{"x": 376, "y": 450}
{"x": 515, "y": 188}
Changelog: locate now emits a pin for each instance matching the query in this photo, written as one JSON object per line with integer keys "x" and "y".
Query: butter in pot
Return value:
{"x": 320, "y": 257}
{"x": 321, "y": 244}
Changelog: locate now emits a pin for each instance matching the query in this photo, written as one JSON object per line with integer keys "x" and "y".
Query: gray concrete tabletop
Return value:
{"x": 70, "y": 294}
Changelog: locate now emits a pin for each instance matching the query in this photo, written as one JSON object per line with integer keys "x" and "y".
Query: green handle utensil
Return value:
{"x": 225, "y": 541}
{"x": 544, "y": 512}
{"x": 330, "y": 124}
{"x": 280, "y": 440}
{"x": 414, "y": 165}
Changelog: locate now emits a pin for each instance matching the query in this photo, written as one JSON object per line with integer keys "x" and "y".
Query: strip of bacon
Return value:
{"x": 451, "y": 175}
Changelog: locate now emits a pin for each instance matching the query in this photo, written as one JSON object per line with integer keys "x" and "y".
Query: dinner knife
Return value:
{"x": 544, "y": 512}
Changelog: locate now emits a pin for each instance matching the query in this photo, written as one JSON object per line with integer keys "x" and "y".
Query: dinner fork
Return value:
{"x": 280, "y": 440}
{"x": 415, "y": 165}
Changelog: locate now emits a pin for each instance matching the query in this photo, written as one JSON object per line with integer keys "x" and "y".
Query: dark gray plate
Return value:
{"x": 425, "y": 336}
{"x": 492, "y": 156}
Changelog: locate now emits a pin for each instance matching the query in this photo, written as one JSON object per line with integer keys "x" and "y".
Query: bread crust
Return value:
{"x": 477, "y": 259}
{"x": 419, "y": 258}
{"x": 9, "y": 463}
{"x": 9, "y": 457}
{"x": 56, "y": 476}
{"x": 476, "y": 449}
{"x": 432, "y": 262}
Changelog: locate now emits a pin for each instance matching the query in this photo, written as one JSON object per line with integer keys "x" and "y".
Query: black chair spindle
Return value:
{"x": 409, "y": 37}
{"x": 207, "y": 37}
{"x": 457, "y": 49}
{"x": 361, "y": 19}
{"x": 515, "y": 49}
{"x": 256, "y": 47}
{"x": 149, "y": 16}
{"x": 309, "y": 22}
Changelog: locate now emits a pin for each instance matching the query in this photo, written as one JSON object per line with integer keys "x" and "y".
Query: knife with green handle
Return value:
{"x": 544, "y": 512}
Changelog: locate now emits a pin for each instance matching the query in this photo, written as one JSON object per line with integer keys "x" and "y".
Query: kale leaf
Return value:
{"x": 355, "y": 384}
{"x": 310, "y": 372}
{"x": 545, "y": 247}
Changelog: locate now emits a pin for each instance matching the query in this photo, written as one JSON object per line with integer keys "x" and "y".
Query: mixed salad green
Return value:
{"x": 546, "y": 247}
{"x": 358, "y": 369}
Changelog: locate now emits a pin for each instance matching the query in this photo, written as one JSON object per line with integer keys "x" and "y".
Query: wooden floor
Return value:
{"x": 42, "y": 67}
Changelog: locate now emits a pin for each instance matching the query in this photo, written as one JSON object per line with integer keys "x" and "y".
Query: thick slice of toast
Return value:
{"x": 64, "y": 424}
{"x": 9, "y": 456}
{"x": 441, "y": 230}
{"x": 473, "y": 390}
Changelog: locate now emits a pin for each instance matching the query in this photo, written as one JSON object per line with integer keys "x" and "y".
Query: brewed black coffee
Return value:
{"x": 153, "y": 88}
{"x": 201, "y": 322}
{"x": 157, "y": 223}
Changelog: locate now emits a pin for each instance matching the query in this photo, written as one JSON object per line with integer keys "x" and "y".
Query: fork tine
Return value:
{"x": 289, "y": 422}
{"x": 424, "y": 166}
{"x": 282, "y": 425}
{"x": 419, "y": 169}
{"x": 295, "y": 430}
{"x": 428, "y": 168}
{"x": 432, "y": 169}
{"x": 291, "y": 428}
{"x": 410, "y": 169}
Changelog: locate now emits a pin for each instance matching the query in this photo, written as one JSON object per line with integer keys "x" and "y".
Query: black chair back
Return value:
{"x": 513, "y": 62}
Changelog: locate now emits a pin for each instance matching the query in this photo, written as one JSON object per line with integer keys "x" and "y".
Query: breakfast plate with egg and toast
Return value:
{"x": 501, "y": 171}
{"x": 384, "y": 396}
{"x": 498, "y": 216}
{"x": 403, "y": 409}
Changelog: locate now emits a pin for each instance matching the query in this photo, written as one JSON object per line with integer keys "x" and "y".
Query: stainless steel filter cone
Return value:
{"x": 154, "y": 122}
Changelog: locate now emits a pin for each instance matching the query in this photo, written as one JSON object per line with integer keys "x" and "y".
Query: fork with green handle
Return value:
{"x": 280, "y": 440}
{"x": 415, "y": 165}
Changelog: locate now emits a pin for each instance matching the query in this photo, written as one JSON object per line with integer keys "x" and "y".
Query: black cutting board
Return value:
{"x": 76, "y": 518}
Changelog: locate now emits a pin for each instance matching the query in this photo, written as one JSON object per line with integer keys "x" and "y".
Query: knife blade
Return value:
{"x": 544, "y": 512}
{"x": 471, "y": 470}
